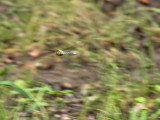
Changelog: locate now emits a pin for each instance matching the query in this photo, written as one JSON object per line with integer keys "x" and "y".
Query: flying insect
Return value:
{"x": 61, "y": 52}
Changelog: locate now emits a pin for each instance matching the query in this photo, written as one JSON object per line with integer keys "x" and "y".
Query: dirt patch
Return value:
{"x": 55, "y": 70}
{"x": 63, "y": 73}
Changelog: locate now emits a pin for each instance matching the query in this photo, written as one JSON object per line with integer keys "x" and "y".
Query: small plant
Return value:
{"x": 18, "y": 89}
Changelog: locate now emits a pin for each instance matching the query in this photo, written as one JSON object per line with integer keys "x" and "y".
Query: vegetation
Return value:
{"x": 122, "y": 45}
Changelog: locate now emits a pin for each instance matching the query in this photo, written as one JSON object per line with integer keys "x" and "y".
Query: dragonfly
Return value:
{"x": 61, "y": 52}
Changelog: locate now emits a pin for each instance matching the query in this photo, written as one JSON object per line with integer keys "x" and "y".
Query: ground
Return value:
{"x": 118, "y": 56}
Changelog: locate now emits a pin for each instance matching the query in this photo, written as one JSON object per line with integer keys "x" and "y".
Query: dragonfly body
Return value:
{"x": 61, "y": 52}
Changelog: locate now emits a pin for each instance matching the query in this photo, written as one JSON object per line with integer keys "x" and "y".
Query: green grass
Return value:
{"x": 127, "y": 89}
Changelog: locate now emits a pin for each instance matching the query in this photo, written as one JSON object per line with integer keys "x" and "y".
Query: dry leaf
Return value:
{"x": 43, "y": 66}
{"x": 8, "y": 59}
{"x": 66, "y": 86}
{"x": 145, "y": 1}
{"x": 34, "y": 53}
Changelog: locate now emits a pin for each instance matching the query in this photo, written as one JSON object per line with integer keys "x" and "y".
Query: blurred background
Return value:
{"x": 114, "y": 76}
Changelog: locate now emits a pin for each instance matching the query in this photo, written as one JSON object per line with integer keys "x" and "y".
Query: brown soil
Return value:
{"x": 55, "y": 70}
{"x": 62, "y": 73}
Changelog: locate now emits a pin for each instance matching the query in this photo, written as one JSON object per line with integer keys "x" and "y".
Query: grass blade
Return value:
{"x": 18, "y": 89}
